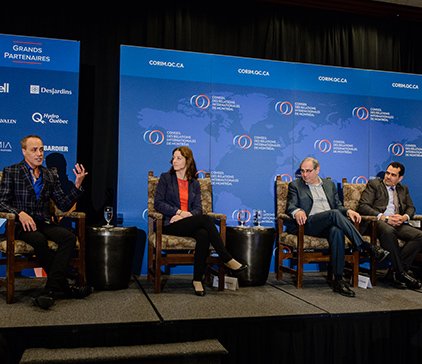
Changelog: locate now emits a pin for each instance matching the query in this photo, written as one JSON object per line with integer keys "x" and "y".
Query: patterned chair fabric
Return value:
{"x": 22, "y": 254}
{"x": 301, "y": 248}
{"x": 165, "y": 250}
{"x": 351, "y": 196}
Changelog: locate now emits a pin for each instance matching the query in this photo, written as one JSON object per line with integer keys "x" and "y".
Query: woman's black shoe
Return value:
{"x": 238, "y": 270}
{"x": 200, "y": 293}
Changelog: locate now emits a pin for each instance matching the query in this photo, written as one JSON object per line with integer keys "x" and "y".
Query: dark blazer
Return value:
{"x": 299, "y": 196}
{"x": 167, "y": 200}
{"x": 17, "y": 193}
{"x": 374, "y": 199}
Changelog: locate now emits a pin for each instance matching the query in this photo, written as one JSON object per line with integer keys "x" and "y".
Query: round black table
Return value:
{"x": 109, "y": 256}
{"x": 253, "y": 246}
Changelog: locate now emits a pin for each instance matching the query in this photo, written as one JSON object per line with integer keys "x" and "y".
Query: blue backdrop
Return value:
{"x": 39, "y": 80}
{"x": 248, "y": 120}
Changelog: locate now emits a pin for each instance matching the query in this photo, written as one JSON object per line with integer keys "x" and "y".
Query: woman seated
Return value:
{"x": 178, "y": 198}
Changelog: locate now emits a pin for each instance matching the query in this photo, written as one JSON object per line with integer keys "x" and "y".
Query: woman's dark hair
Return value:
{"x": 190, "y": 162}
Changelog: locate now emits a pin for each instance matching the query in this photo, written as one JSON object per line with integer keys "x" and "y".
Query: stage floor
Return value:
{"x": 138, "y": 304}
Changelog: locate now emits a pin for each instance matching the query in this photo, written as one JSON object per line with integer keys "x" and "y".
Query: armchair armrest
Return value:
{"x": 155, "y": 215}
{"x": 7, "y": 215}
{"x": 217, "y": 216}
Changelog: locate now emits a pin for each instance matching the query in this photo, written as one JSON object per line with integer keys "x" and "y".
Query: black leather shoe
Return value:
{"x": 377, "y": 252}
{"x": 342, "y": 287}
{"x": 44, "y": 300}
{"x": 409, "y": 281}
{"x": 78, "y": 292}
{"x": 200, "y": 293}
{"x": 238, "y": 270}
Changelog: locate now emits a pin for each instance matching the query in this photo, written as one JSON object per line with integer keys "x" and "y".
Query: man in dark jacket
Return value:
{"x": 26, "y": 189}
{"x": 314, "y": 203}
{"x": 390, "y": 202}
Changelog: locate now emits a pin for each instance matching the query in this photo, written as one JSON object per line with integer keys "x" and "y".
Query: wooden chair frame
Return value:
{"x": 15, "y": 261}
{"x": 301, "y": 255}
{"x": 371, "y": 220}
{"x": 159, "y": 256}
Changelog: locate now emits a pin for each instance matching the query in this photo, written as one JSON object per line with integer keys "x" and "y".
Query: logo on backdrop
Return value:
{"x": 285, "y": 177}
{"x": 284, "y": 108}
{"x": 323, "y": 145}
{"x": 37, "y": 89}
{"x": 201, "y": 101}
{"x": 4, "y": 88}
{"x": 201, "y": 173}
{"x": 155, "y": 137}
{"x": 396, "y": 149}
{"x": 360, "y": 112}
{"x": 38, "y": 117}
{"x": 243, "y": 141}
{"x": 145, "y": 214}
{"x": 237, "y": 215}
{"x": 359, "y": 179}
{"x": 5, "y": 146}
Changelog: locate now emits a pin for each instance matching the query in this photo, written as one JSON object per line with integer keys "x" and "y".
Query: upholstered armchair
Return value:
{"x": 17, "y": 255}
{"x": 299, "y": 248}
{"x": 165, "y": 251}
{"x": 351, "y": 197}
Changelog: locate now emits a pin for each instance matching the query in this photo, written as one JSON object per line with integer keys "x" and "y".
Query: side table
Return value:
{"x": 253, "y": 246}
{"x": 109, "y": 256}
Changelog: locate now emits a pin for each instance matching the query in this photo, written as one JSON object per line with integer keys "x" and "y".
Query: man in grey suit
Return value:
{"x": 391, "y": 203}
{"x": 314, "y": 202}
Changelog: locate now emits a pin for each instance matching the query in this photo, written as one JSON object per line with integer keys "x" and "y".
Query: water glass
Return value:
{"x": 108, "y": 215}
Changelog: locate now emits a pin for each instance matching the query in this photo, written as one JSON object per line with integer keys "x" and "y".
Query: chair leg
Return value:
{"x": 355, "y": 268}
{"x": 10, "y": 284}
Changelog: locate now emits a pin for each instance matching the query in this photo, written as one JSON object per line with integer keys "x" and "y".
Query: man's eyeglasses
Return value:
{"x": 303, "y": 171}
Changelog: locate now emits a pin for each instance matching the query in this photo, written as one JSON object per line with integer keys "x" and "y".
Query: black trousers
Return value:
{"x": 55, "y": 263}
{"x": 334, "y": 226}
{"x": 204, "y": 231}
{"x": 388, "y": 236}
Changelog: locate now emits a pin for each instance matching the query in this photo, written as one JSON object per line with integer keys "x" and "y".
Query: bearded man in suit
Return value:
{"x": 390, "y": 202}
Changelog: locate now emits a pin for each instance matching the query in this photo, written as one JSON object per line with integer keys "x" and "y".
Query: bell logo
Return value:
{"x": 4, "y": 89}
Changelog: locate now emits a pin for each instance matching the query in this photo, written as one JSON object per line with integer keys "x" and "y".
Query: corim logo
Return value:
{"x": 360, "y": 112}
{"x": 285, "y": 177}
{"x": 200, "y": 101}
{"x": 145, "y": 215}
{"x": 323, "y": 145}
{"x": 37, "y": 118}
{"x": 284, "y": 108}
{"x": 359, "y": 179}
{"x": 236, "y": 215}
{"x": 243, "y": 141}
{"x": 154, "y": 137}
{"x": 396, "y": 149}
{"x": 201, "y": 173}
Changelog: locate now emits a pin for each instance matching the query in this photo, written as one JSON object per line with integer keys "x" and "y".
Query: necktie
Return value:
{"x": 395, "y": 200}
